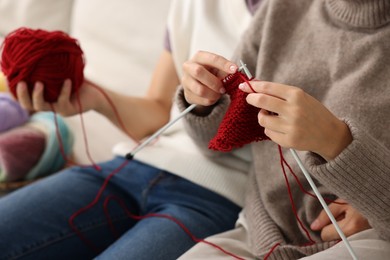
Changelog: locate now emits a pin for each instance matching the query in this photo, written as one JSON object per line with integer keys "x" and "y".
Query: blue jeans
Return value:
{"x": 34, "y": 220}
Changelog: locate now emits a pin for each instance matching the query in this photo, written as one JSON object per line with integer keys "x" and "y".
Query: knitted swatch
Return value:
{"x": 239, "y": 125}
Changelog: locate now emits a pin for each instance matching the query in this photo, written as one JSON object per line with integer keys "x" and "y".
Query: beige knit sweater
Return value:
{"x": 339, "y": 52}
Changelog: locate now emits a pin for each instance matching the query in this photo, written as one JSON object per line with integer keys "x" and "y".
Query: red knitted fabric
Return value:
{"x": 37, "y": 55}
{"x": 239, "y": 125}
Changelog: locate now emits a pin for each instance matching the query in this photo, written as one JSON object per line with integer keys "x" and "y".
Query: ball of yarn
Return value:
{"x": 20, "y": 150}
{"x": 3, "y": 85}
{"x": 11, "y": 113}
{"x": 59, "y": 144}
{"x": 37, "y": 55}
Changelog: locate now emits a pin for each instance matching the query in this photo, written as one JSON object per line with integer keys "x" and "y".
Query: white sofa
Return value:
{"x": 121, "y": 39}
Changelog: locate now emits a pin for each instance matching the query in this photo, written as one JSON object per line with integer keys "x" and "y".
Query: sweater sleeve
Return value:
{"x": 360, "y": 174}
{"x": 203, "y": 128}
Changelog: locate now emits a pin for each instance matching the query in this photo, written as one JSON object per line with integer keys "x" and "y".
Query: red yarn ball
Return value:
{"x": 37, "y": 55}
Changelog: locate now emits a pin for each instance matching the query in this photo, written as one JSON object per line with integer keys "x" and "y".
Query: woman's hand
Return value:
{"x": 349, "y": 220}
{"x": 202, "y": 77}
{"x": 294, "y": 119}
{"x": 66, "y": 105}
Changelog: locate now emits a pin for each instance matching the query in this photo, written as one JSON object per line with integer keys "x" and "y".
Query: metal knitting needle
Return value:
{"x": 323, "y": 203}
{"x": 173, "y": 121}
{"x": 244, "y": 68}
{"x": 159, "y": 132}
{"x": 314, "y": 187}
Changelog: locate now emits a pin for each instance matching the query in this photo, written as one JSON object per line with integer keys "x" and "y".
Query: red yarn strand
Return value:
{"x": 291, "y": 197}
{"x": 136, "y": 217}
{"x": 271, "y": 251}
{"x": 90, "y": 205}
{"x": 180, "y": 224}
{"x": 303, "y": 189}
{"x": 118, "y": 117}
{"x": 97, "y": 167}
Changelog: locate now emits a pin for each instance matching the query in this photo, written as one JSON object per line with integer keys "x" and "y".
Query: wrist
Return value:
{"x": 341, "y": 139}
{"x": 98, "y": 101}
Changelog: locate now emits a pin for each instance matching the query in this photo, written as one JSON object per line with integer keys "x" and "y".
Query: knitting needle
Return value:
{"x": 244, "y": 68}
{"x": 159, "y": 132}
{"x": 323, "y": 203}
{"x": 313, "y": 186}
{"x": 169, "y": 124}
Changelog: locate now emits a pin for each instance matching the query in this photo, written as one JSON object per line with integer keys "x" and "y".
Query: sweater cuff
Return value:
{"x": 360, "y": 174}
{"x": 200, "y": 127}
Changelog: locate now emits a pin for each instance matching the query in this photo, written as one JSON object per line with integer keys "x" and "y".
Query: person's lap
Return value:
{"x": 366, "y": 245}
{"x": 35, "y": 219}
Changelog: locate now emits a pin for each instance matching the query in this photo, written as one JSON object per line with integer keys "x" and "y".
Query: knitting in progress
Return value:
{"x": 239, "y": 125}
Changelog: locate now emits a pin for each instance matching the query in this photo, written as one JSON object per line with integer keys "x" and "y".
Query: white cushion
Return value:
{"x": 122, "y": 40}
{"x": 45, "y": 14}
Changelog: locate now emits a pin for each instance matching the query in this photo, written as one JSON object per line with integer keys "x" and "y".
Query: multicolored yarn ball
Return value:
{"x": 20, "y": 150}
{"x": 11, "y": 113}
{"x": 37, "y": 55}
{"x": 59, "y": 144}
{"x": 37, "y": 149}
{"x": 239, "y": 126}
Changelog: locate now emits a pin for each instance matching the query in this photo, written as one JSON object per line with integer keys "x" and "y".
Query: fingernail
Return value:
{"x": 38, "y": 87}
{"x": 222, "y": 90}
{"x": 242, "y": 86}
{"x": 315, "y": 224}
{"x": 233, "y": 68}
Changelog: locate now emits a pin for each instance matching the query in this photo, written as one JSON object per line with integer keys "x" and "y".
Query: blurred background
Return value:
{"x": 121, "y": 40}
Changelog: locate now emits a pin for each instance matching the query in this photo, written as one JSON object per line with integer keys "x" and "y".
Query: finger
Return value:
{"x": 271, "y": 121}
{"x": 267, "y": 102}
{"x": 38, "y": 100}
{"x": 65, "y": 93}
{"x": 207, "y": 98}
{"x": 24, "y": 96}
{"x": 329, "y": 233}
{"x": 203, "y": 76}
{"x": 273, "y": 89}
{"x": 215, "y": 61}
{"x": 323, "y": 218}
{"x": 198, "y": 93}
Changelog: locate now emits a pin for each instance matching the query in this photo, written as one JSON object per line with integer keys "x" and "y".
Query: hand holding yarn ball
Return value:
{"x": 32, "y": 56}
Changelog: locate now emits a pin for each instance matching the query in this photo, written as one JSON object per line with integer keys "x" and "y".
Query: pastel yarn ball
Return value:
{"x": 11, "y": 113}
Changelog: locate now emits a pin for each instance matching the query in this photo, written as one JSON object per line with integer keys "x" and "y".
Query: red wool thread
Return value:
{"x": 51, "y": 57}
{"x": 239, "y": 125}
{"x": 37, "y": 55}
{"x": 130, "y": 215}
